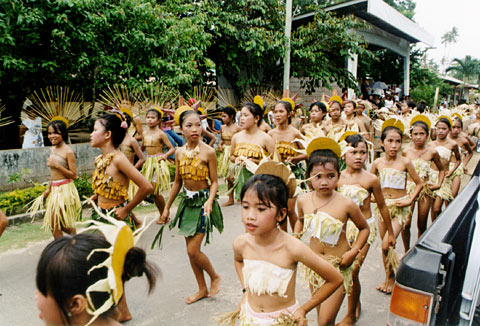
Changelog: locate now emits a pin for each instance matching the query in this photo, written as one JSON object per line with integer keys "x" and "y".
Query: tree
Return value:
{"x": 466, "y": 69}
{"x": 449, "y": 37}
{"x": 405, "y": 7}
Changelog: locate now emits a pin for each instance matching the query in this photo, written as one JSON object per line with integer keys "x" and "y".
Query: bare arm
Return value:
{"x": 177, "y": 184}
{"x": 212, "y": 169}
{"x": 167, "y": 142}
{"x": 138, "y": 127}
{"x": 469, "y": 149}
{"x": 458, "y": 157}
{"x": 419, "y": 184}
{"x": 299, "y": 223}
{"x": 269, "y": 145}
{"x": 210, "y": 135}
{"x": 377, "y": 192}
{"x": 355, "y": 214}
{"x": 441, "y": 170}
{"x": 138, "y": 152}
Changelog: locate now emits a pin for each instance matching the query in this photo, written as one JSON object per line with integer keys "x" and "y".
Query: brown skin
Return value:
{"x": 131, "y": 142}
{"x": 316, "y": 116}
{"x": 230, "y": 128}
{"x": 464, "y": 142}
{"x": 3, "y": 222}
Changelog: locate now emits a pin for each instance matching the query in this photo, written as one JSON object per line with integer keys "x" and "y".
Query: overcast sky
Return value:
{"x": 439, "y": 16}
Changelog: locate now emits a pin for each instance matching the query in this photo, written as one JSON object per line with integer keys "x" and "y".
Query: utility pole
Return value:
{"x": 288, "y": 32}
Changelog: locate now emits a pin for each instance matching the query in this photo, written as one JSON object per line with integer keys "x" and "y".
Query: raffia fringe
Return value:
{"x": 392, "y": 261}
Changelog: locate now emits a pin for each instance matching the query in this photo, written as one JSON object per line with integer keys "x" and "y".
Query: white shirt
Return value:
{"x": 33, "y": 136}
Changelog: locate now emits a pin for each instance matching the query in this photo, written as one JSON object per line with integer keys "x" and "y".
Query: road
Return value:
{"x": 166, "y": 305}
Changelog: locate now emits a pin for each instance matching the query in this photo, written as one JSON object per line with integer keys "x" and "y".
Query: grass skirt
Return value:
{"x": 352, "y": 231}
{"x": 240, "y": 180}
{"x": 224, "y": 161}
{"x": 401, "y": 213}
{"x": 156, "y": 171}
{"x": 316, "y": 281}
{"x": 445, "y": 191}
{"x": 458, "y": 172}
{"x": 62, "y": 207}
{"x": 189, "y": 215}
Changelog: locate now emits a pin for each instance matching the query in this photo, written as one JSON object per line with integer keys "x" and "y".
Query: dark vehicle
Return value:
{"x": 438, "y": 281}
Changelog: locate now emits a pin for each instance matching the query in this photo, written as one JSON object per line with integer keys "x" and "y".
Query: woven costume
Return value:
{"x": 240, "y": 173}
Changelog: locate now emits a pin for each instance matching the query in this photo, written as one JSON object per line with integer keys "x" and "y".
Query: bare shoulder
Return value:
{"x": 240, "y": 242}
{"x": 207, "y": 149}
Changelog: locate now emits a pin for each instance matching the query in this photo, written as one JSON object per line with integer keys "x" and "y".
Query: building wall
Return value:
{"x": 34, "y": 162}
{"x": 306, "y": 99}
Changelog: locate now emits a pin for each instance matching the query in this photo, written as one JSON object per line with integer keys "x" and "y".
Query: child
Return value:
{"x": 465, "y": 150}
{"x": 323, "y": 215}
{"x": 353, "y": 122}
{"x": 266, "y": 257}
{"x": 444, "y": 146}
{"x": 392, "y": 171}
{"x": 318, "y": 111}
{"x": 422, "y": 157}
{"x": 227, "y": 130}
{"x": 336, "y": 125}
{"x": 73, "y": 275}
{"x": 284, "y": 136}
{"x": 198, "y": 210}
{"x": 62, "y": 207}
{"x": 130, "y": 146}
{"x": 112, "y": 175}
{"x": 358, "y": 184}
{"x": 156, "y": 168}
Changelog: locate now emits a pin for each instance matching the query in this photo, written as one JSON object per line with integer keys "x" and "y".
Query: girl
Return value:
{"x": 62, "y": 301}
{"x": 392, "y": 171}
{"x": 251, "y": 143}
{"x": 156, "y": 168}
{"x": 422, "y": 157}
{"x": 466, "y": 150}
{"x": 265, "y": 252}
{"x": 112, "y": 176}
{"x": 284, "y": 136}
{"x": 318, "y": 110}
{"x": 444, "y": 146}
{"x": 353, "y": 123}
{"x": 336, "y": 125}
{"x": 323, "y": 215}
{"x": 358, "y": 184}
{"x": 129, "y": 145}
{"x": 198, "y": 210}
{"x": 63, "y": 207}
{"x": 227, "y": 130}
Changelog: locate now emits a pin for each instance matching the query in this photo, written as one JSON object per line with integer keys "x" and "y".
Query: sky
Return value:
{"x": 439, "y": 16}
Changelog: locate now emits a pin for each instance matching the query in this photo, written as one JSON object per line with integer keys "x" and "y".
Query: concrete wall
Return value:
{"x": 317, "y": 95}
{"x": 35, "y": 159}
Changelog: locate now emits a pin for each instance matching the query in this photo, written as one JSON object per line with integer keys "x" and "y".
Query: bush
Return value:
{"x": 13, "y": 202}
{"x": 84, "y": 186}
{"x": 172, "y": 169}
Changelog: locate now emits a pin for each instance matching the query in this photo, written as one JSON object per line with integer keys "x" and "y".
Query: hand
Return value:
{"x": 299, "y": 316}
{"x": 207, "y": 207}
{"x": 465, "y": 170}
{"x": 403, "y": 203}
{"x": 448, "y": 174}
{"x": 289, "y": 160}
{"x": 391, "y": 241}
{"x": 220, "y": 148}
{"x": 165, "y": 216}
{"x": 51, "y": 163}
{"x": 238, "y": 161}
{"x": 434, "y": 187}
{"x": 121, "y": 213}
{"x": 348, "y": 257}
{"x": 46, "y": 193}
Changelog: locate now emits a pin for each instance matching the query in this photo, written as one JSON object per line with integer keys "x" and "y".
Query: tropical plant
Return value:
{"x": 467, "y": 69}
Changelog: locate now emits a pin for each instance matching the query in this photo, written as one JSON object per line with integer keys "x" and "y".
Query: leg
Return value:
{"x": 136, "y": 221}
{"x": 437, "y": 207}
{"x": 292, "y": 214}
{"x": 160, "y": 203}
{"x": 230, "y": 201}
{"x": 387, "y": 286}
{"x": 176, "y": 137}
{"x": 123, "y": 313}
{"x": 329, "y": 308}
{"x": 406, "y": 235}
{"x": 200, "y": 262}
{"x": 3, "y": 222}
{"x": 455, "y": 186}
{"x": 424, "y": 204}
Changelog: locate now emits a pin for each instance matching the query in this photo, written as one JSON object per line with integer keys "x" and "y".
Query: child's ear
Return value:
{"x": 78, "y": 304}
{"x": 108, "y": 134}
{"x": 282, "y": 214}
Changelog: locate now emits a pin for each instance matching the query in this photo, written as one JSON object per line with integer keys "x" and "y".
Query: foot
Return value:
{"x": 197, "y": 296}
{"x": 215, "y": 286}
{"x": 347, "y": 321}
{"x": 159, "y": 221}
{"x": 228, "y": 203}
{"x": 387, "y": 286}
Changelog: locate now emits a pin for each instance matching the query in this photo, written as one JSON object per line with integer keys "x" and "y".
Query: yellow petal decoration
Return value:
{"x": 289, "y": 100}
{"x": 423, "y": 118}
{"x": 393, "y": 123}
{"x": 59, "y": 118}
{"x": 201, "y": 111}
{"x": 179, "y": 112}
{"x": 324, "y": 143}
{"x": 126, "y": 111}
{"x": 279, "y": 170}
{"x": 346, "y": 134}
{"x": 446, "y": 117}
{"x": 259, "y": 101}
{"x": 159, "y": 110}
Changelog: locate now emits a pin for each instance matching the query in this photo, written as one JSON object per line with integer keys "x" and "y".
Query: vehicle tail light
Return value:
{"x": 409, "y": 307}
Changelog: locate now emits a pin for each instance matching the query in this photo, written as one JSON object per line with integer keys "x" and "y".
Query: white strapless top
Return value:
{"x": 392, "y": 178}
{"x": 322, "y": 226}
{"x": 355, "y": 193}
{"x": 444, "y": 152}
{"x": 262, "y": 277}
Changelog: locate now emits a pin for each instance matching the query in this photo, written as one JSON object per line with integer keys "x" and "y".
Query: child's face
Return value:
{"x": 442, "y": 130}
{"x": 97, "y": 137}
{"x": 456, "y": 128}
{"x": 151, "y": 119}
{"x": 280, "y": 113}
{"x": 392, "y": 143}
{"x": 257, "y": 217}
{"x": 349, "y": 108}
{"x": 359, "y": 110}
{"x": 247, "y": 119}
{"x": 226, "y": 118}
{"x": 335, "y": 111}
{"x": 192, "y": 127}
{"x": 356, "y": 157}
{"x": 49, "y": 310}
{"x": 53, "y": 136}
{"x": 316, "y": 114}
{"x": 325, "y": 178}
{"x": 419, "y": 136}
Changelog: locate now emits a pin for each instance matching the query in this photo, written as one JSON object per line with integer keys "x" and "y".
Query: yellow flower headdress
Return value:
{"x": 121, "y": 239}
{"x": 279, "y": 170}
{"x": 182, "y": 108}
{"x": 287, "y": 98}
{"x": 159, "y": 110}
{"x": 423, "y": 118}
{"x": 335, "y": 98}
{"x": 56, "y": 104}
{"x": 446, "y": 117}
{"x": 392, "y": 122}
{"x": 324, "y": 143}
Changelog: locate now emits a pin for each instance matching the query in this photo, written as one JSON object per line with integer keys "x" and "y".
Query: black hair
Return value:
{"x": 445, "y": 121}
{"x": 321, "y": 106}
{"x": 387, "y": 129}
{"x": 420, "y": 124}
{"x": 322, "y": 157}
{"x": 59, "y": 127}
{"x": 159, "y": 115}
{"x": 269, "y": 189}
{"x": 287, "y": 107}
{"x": 459, "y": 120}
{"x": 230, "y": 111}
{"x": 63, "y": 270}
{"x": 339, "y": 104}
{"x": 255, "y": 110}
{"x": 355, "y": 105}
{"x": 185, "y": 114}
{"x": 411, "y": 104}
{"x": 112, "y": 123}
{"x": 421, "y": 107}
{"x": 355, "y": 139}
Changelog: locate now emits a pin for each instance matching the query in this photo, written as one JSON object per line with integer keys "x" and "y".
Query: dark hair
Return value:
{"x": 421, "y": 107}
{"x": 339, "y": 104}
{"x": 459, "y": 120}
{"x": 387, "y": 129}
{"x": 63, "y": 270}
{"x": 159, "y": 115}
{"x": 420, "y": 124}
{"x": 322, "y": 157}
{"x": 445, "y": 121}
{"x": 411, "y": 104}
{"x": 185, "y": 114}
{"x": 269, "y": 189}
{"x": 320, "y": 105}
{"x": 355, "y": 105}
{"x": 355, "y": 139}
{"x": 287, "y": 107}
{"x": 230, "y": 111}
{"x": 112, "y": 123}
{"x": 59, "y": 127}
{"x": 256, "y": 110}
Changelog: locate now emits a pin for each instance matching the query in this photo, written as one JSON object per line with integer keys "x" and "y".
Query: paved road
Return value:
{"x": 166, "y": 305}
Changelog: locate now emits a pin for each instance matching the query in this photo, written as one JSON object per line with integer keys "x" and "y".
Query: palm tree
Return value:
{"x": 465, "y": 69}
{"x": 448, "y": 38}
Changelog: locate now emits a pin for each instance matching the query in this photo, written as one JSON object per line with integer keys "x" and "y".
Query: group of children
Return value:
{"x": 336, "y": 209}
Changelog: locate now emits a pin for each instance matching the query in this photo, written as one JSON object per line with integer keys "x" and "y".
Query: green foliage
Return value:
{"x": 172, "y": 168}
{"x": 17, "y": 176}
{"x": 14, "y": 201}
{"x": 405, "y": 7}
{"x": 84, "y": 186}
{"x": 467, "y": 69}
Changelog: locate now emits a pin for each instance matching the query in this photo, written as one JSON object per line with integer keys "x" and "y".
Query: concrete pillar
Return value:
{"x": 406, "y": 73}
{"x": 352, "y": 65}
